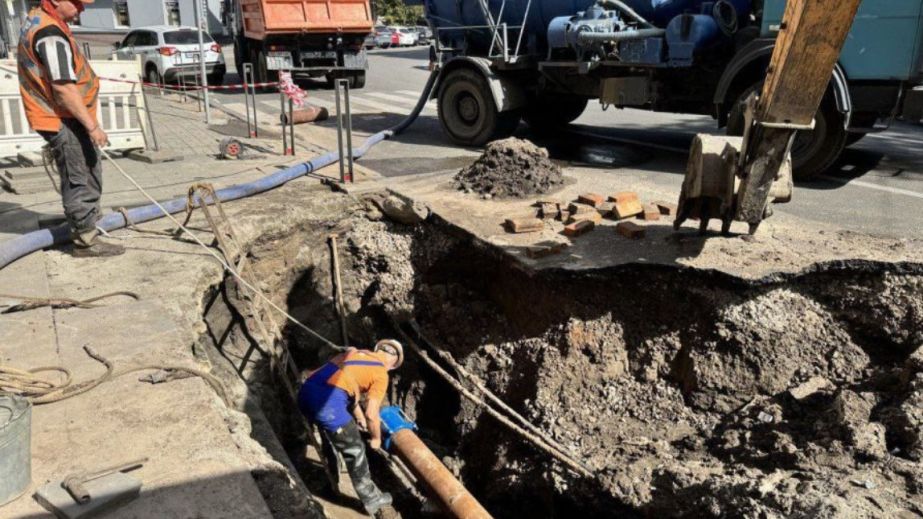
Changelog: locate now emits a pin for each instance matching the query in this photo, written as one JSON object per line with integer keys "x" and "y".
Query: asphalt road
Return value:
{"x": 876, "y": 188}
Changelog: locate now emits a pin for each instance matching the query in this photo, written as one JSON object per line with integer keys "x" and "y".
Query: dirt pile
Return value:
{"x": 510, "y": 168}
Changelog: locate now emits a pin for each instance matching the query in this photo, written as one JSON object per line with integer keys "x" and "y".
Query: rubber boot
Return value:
{"x": 89, "y": 245}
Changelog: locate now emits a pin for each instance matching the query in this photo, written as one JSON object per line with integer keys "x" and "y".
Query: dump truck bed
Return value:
{"x": 262, "y": 18}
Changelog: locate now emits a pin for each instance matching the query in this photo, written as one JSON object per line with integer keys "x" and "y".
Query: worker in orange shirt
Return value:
{"x": 60, "y": 94}
{"x": 330, "y": 398}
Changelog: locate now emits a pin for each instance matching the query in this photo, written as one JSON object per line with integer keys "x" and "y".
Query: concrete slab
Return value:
{"x": 153, "y": 157}
{"x": 784, "y": 245}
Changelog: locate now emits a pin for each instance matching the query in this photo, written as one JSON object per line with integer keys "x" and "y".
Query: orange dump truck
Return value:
{"x": 311, "y": 38}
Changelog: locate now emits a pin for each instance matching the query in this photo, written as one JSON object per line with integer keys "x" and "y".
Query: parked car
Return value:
{"x": 382, "y": 36}
{"x": 424, "y": 34}
{"x": 403, "y": 37}
{"x": 169, "y": 53}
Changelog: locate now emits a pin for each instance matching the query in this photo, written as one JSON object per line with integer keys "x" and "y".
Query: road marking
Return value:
{"x": 869, "y": 185}
{"x": 393, "y": 98}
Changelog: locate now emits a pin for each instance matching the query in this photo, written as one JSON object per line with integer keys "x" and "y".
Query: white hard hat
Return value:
{"x": 393, "y": 347}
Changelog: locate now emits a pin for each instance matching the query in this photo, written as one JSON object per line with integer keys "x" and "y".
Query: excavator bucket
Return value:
{"x": 725, "y": 182}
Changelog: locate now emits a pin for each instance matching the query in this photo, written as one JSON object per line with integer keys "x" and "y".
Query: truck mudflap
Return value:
{"x": 507, "y": 94}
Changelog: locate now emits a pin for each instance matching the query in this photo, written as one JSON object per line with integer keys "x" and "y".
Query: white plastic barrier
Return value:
{"x": 121, "y": 109}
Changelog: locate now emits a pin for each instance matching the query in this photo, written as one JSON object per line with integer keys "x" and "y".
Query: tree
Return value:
{"x": 396, "y": 12}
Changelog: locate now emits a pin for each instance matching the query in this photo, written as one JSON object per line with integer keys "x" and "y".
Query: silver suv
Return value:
{"x": 168, "y": 53}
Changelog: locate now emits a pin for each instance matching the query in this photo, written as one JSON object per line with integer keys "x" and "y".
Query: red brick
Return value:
{"x": 549, "y": 211}
{"x": 564, "y": 215}
{"x": 624, "y": 196}
{"x": 579, "y": 227}
{"x": 594, "y": 217}
{"x": 630, "y": 230}
{"x": 578, "y": 208}
{"x": 651, "y": 213}
{"x": 606, "y": 208}
{"x": 523, "y": 225}
{"x": 627, "y": 209}
{"x": 666, "y": 208}
{"x": 591, "y": 199}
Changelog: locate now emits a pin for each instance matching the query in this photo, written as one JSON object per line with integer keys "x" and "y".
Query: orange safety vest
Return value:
{"x": 42, "y": 110}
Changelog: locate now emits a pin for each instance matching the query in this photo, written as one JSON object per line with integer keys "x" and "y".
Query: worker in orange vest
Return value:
{"x": 330, "y": 398}
{"x": 60, "y": 94}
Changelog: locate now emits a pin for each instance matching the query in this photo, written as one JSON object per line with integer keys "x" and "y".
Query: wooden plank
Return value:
{"x": 808, "y": 46}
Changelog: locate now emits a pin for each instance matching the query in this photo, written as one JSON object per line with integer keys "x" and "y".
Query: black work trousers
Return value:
{"x": 80, "y": 168}
{"x": 348, "y": 442}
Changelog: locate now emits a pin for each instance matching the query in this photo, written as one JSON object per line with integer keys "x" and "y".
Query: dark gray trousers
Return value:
{"x": 348, "y": 442}
{"x": 80, "y": 168}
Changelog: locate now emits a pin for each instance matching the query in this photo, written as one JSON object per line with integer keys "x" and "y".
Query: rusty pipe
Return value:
{"x": 454, "y": 497}
{"x": 307, "y": 115}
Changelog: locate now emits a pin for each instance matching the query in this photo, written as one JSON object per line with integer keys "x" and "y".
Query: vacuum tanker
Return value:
{"x": 504, "y": 61}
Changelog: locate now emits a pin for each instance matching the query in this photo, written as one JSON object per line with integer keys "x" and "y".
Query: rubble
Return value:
{"x": 510, "y": 168}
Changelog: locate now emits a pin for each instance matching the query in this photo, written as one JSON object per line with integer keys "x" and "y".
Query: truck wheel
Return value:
{"x": 813, "y": 152}
{"x": 468, "y": 113}
{"x": 358, "y": 80}
{"x": 552, "y": 112}
{"x": 263, "y": 74}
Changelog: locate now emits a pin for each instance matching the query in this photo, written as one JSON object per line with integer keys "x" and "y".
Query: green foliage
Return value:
{"x": 394, "y": 12}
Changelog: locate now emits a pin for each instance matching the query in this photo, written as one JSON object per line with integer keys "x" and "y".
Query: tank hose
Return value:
{"x": 16, "y": 248}
{"x": 725, "y": 14}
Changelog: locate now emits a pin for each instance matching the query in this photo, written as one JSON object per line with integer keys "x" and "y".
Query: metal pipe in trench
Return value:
{"x": 454, "y": 497}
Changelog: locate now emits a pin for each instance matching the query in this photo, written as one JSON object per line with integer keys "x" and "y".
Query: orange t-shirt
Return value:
{"x": 362, "y": 372}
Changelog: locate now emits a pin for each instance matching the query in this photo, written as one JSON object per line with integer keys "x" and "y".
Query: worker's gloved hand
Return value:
{"x": 375, "y": 443}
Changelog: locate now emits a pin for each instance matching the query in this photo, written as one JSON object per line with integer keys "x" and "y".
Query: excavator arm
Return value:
{"x": 738, "y": 180}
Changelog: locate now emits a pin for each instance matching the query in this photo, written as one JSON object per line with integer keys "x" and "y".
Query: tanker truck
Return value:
{"x": 542, "y": 61}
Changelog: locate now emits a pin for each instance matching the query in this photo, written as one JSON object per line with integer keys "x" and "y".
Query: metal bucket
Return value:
{"x": 15, "y": 447}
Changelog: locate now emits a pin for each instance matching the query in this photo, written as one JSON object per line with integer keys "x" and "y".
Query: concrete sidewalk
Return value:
{"x": 203, "y": 454}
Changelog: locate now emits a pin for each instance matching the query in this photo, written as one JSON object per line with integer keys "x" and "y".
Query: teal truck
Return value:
{"x": 542, "y": 61}
{"x": 880, "y": 64}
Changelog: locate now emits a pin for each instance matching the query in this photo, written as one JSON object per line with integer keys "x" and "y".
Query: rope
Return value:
{"x": 536, "y": 440}
{"x": 42, "y": 390}
{"x": 221, "y": 260}
{"x": 473, "y": 380}
{"x": 31, "y": 303}
{"x": 49, "y": 164}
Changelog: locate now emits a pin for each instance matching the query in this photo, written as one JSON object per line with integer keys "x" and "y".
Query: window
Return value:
{"x": 120, "y": 10}
{"x": 146, "y": 39}
{"x": 185, "y": 37}
{"x": 173, "y": 17}
{"x": 131, "y": 40}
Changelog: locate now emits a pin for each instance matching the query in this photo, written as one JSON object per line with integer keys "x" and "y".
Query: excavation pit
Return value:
{"x": 688, "y": 392}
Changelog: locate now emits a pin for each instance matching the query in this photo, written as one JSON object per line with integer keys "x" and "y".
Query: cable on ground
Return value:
{"x": 31, "y": 303}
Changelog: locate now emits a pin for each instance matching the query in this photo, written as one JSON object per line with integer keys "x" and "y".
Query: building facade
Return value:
{"x": 120, "y": 16}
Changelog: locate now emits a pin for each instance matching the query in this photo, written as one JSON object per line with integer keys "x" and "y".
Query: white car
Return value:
{"x": 168, "y": 53}
{"x": 405, "y": 37}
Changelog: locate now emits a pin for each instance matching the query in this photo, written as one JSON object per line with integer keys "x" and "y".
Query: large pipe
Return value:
{"x": 454, "y": 497}
{"x": 636, "y": 34}
{"x": 626, "y": 9}
{"x": 16, "y": 248}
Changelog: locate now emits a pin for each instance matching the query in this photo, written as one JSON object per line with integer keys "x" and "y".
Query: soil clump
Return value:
{"x": 510, "y": 168}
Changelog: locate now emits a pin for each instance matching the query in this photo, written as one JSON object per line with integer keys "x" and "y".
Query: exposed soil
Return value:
{"x": 510, "y": 168}
{"x": 689, "y": 393}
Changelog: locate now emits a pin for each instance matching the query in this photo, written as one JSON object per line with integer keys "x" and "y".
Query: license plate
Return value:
{"x": 194, "y": 56}
{"x": 319, "y": 54}
{"x": 279, "y": 61}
